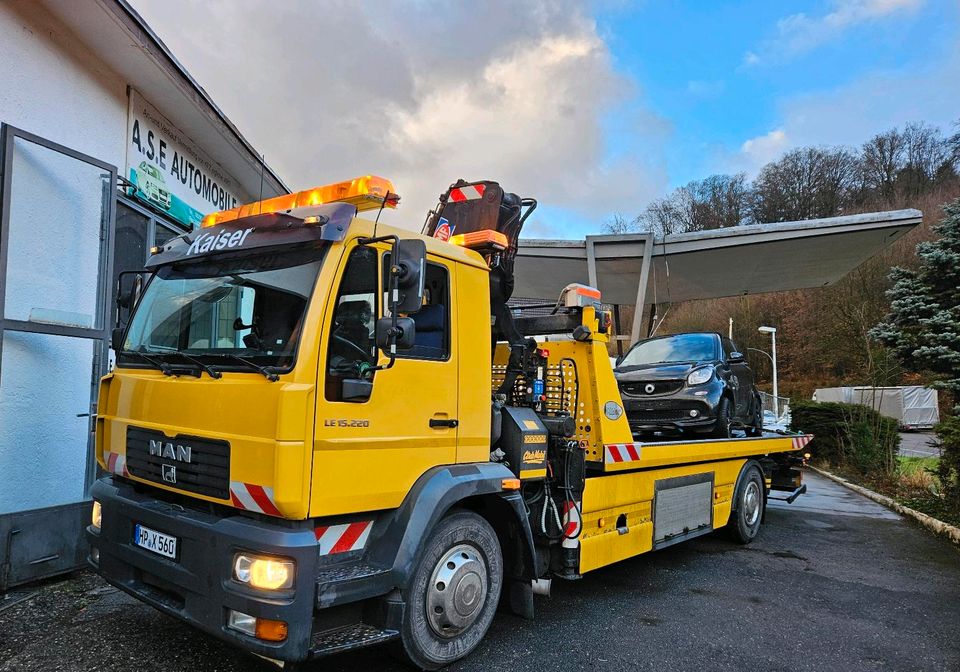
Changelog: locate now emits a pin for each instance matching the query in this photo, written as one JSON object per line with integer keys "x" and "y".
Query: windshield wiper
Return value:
{"x": 163, "y": 366}
{"x": 268, "y": 372}
{"x": 212, "y": 372}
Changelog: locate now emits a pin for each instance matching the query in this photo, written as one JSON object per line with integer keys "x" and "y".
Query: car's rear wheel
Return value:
{"x": 721, "y": 429}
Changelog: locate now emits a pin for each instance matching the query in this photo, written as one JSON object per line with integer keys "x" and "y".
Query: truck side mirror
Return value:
{"x": 402, "y": 336}
{"x": 410, "y": 258}
{"x": 116, "y": 339}
{"x": 126, "y": 300}
{"x": 736, "y": 358}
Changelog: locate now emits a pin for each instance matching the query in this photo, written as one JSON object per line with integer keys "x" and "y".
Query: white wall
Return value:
{"x": 54, "y": 87}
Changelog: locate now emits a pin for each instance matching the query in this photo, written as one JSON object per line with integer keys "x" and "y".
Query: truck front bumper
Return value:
{"x": 197, "y": 586}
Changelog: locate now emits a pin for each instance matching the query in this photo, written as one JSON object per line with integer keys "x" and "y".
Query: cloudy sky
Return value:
{"x": 592, "y": 108}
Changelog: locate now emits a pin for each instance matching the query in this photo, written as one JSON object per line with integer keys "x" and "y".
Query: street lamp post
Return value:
{"x": 773, "y": 347}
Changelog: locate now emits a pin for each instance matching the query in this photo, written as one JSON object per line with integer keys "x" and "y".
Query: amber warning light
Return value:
{"x": 365, "y": 193}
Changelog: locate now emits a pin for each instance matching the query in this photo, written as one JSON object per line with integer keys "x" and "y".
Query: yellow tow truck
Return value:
{"x": 323, "y": 433}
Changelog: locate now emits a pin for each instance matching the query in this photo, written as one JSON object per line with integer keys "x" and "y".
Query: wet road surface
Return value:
{"x": 834, "y": 582}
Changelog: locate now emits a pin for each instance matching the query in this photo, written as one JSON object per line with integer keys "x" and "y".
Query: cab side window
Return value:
{"x": 432, "y": 340}
{"x": 352, "y": 346}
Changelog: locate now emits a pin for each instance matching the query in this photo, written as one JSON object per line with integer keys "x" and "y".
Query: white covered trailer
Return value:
{"x": 913, "y": 406}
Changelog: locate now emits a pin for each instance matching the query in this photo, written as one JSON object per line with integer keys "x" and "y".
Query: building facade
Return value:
{"x": 108, "y": 148}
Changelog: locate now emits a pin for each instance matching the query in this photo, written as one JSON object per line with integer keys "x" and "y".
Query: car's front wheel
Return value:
{"x": 721, "y": 429}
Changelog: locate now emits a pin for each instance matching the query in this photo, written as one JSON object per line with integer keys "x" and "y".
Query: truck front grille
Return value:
{"x": 187, "y": 463}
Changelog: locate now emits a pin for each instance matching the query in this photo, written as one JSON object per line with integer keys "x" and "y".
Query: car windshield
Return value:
{"x": 237, "y": 313}
{"x": 678, "y": 348}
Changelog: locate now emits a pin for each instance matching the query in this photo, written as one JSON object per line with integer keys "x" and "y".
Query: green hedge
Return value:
{"x": 948, "y": 435}
{"x": 849, "y": 435}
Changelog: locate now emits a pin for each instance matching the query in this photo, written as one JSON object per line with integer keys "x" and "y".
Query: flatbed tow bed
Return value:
{"x": 363, "y": 443}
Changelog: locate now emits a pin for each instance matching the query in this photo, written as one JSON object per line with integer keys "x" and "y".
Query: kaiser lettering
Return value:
{"x": 170, "y": 451}
{"x": 205, "y": 242}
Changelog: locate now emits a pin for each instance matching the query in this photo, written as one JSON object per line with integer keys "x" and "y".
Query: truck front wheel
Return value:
{"x": 454, "y": 591}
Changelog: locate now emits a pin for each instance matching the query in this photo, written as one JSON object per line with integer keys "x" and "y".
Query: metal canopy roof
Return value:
{"x": 709, "y": 264}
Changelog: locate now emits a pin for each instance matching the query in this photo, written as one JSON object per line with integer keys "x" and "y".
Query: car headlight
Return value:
{"x": 263, "y": 573}
{"x": 700, "y": 376}
{"x": 96, "y": 516}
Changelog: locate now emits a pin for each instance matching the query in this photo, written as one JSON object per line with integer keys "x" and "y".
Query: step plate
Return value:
{"x": 350, "y": 637}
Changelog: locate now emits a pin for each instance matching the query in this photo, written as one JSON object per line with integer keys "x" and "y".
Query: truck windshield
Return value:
{"x": 678, "y": 348}
{"x": 240, "y": 313}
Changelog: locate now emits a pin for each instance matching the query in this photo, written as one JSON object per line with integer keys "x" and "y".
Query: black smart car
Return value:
{"x": 687, "y": 384}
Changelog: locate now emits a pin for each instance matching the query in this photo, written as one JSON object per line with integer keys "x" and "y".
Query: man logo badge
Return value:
{"x": 169, "y": 473}
{"x": 649, "y": 388}
{"x": 169, "y": 451}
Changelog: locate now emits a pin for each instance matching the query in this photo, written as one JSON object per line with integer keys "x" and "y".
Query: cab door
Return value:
{"x": 368, "y": 452}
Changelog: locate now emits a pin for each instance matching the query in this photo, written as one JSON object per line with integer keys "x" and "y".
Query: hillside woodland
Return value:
{"x": 823, "y": 334}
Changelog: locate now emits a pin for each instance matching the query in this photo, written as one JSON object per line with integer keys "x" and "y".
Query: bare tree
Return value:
{"x": 882, "y": 158}
{"x": 953, "y": 143}
{"x": 804, "y": 183}
{"x": 619, "y": 225}
{"x": 716, "y": 202}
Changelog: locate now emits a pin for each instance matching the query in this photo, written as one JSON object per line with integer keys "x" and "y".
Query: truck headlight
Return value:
{"x": 96, "y": 516}
{"x": 700, "y": 376}
{"x": 263, "y": 572}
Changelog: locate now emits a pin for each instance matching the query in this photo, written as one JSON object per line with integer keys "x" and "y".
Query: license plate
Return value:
{"x": 155, "y": 542}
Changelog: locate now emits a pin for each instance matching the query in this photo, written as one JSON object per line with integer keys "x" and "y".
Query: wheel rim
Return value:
{"x": 457, "y": 591}
{"x": 751, "y": 503}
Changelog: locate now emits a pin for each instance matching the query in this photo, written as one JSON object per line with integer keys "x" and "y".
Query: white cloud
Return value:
{"x": 799, "y": 33}
{"x": 422, "y": 93}
{"x": 756, "y": 152}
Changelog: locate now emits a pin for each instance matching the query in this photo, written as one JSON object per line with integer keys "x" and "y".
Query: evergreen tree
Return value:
{"x": 923, "y": 327}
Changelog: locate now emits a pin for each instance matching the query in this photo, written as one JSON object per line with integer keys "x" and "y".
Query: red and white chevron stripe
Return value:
{"x": 116, "y": 463}
{"x": 471, "y": 192}
{"x": 342, "y": 538}
{"x": 252, "y": 497}
{"x": 800, "y": 441}
{"x": 621, "y": 452}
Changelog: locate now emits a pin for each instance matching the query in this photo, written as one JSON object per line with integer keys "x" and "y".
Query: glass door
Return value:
{"x": 55, "y": 256}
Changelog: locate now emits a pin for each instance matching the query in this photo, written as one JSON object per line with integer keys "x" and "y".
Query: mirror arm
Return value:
{"x": 393, "y": 294}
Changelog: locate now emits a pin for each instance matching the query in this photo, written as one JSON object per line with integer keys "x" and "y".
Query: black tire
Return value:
{"x": 461, "y": 566}
{"x": 749, "y": 501}
{"x": 724, "y": 419}
{"x": 755, "y": 428}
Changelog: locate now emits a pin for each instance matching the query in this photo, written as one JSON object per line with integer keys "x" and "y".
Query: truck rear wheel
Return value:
{"x": 748, "y": 503}
{"x": 454, "y": 592}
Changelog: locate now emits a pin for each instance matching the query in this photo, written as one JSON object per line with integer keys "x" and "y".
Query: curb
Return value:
{"x": 933, "y": 524}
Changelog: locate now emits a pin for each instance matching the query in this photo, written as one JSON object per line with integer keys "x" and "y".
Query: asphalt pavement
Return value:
{"x": 918, "y": 444}
{"x": 834, "y": 582}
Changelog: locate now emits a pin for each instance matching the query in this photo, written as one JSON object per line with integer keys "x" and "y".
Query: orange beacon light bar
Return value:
{"x": 482, "y": 239}
{"x": 365, "y": 193}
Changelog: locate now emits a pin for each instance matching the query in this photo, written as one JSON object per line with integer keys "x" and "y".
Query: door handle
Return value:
{"x": 441, "y": 423}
